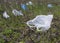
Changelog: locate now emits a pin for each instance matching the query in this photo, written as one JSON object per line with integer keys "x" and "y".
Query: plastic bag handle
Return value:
{"x": 29, "y": 24}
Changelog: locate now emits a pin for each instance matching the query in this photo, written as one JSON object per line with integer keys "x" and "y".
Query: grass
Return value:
{"x": 14, "y": 29}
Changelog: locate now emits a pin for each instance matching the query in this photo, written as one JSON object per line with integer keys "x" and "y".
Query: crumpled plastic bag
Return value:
{"x": 17, "y": 13}
{"x": 49, "y": 5}
{"x": 41, "y": 22}
{"x": 29, "y": 3}
{"x": 5, "y": 15}
{"x": 24, "y": 7}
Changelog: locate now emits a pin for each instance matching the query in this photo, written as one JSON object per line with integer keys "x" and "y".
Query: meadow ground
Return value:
{"x": 15, "y": 30}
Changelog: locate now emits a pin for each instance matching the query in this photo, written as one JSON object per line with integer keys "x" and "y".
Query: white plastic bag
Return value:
{"x": 41, "y": 22}
{"x": 29, "y": 3}
{"x": 5, "y": 15}
{"x": 49, "y": 5}
{"x": 17, "y": 13}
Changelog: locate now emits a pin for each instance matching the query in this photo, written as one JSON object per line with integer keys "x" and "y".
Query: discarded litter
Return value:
{"x": 5, "y": 15}
{"x": 17, "y": 13}
{"x": 23, "y": 6}
{"x": 49, "y": 5}
{"x": 41, "y": 22}
{"x": 29, "y": 3}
